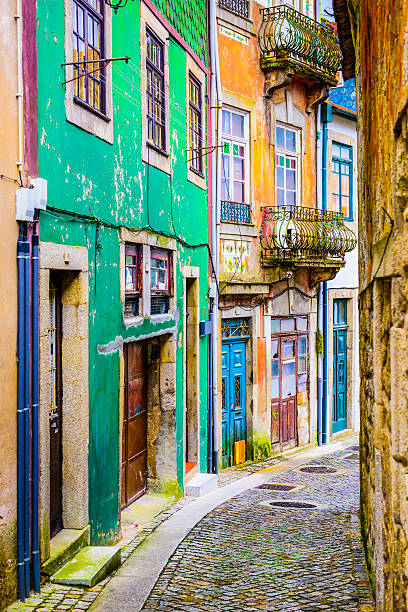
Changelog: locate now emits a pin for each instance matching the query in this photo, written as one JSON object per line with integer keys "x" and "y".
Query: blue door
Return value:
{"x": 340, "y": 365}
{"x": 233, "y": 398}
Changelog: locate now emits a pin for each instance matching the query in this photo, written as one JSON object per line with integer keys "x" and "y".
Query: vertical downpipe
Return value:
{"x": 27, "y": 418}
{"x": 20, "y": 416}
{"x": 326, "y": 118}
{"x": 35, "y": 540}
{"x": 210, "y": 386}
{"x": 320, "y": 290}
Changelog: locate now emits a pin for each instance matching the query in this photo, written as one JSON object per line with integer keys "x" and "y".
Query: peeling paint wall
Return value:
{"x": 87, "y": 175}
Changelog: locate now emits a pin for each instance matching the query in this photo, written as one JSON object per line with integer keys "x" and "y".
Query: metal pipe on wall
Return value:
{"x": 20, "y": 415}
{"x": 27, "y": 255}
{"x": 35, "y": 493}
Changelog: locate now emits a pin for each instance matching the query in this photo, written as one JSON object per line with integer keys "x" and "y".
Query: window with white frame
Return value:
{"x": 234, "y": 157}
{"x": 287, "y": 166}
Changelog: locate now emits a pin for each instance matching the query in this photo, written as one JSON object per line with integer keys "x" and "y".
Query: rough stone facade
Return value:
{"x": 380, "y": 37}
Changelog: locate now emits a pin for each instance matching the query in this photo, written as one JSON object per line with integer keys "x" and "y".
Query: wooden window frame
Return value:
{"x": 349, "y": 163}
{"x": 134, "y": 250}
{"x": 164, "y": 255}
{"x": 154, "y": 70}
{"x": 236, "y": 140}
{"x": 288, "y": 156}
{"x": 98, "y": 76}
{"x": 195, "y": 136}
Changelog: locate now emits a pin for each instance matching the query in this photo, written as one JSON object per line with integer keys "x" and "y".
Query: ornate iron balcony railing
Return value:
{"x": 289, "y": 39}
{"x": 304, "y": 234}
{"x": 235, "y": 212}
{"x": 239, "y": 7}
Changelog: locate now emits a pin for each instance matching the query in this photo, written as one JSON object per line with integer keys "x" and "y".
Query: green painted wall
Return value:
{"x": 88, "y": 176}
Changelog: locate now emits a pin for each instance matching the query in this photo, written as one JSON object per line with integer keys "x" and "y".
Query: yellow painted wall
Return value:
{"x": 8, "y": 300}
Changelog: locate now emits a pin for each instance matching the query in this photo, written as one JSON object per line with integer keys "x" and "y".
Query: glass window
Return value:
{"x": 89, "y": 73}
{"x": 286, "y": 166}
{"x": 274, "y": 349}
{"x": 275, "y": 326}
{"x": 301, "y": 323}
{"x": 340, "y": 312}
{"x": 234, "y": 172}
{"x": 342, "y": 180}
{"x": 133, "y": 282}
{"x": 156, "y": 109}
{"x": 195, "y": 125}
{"x": 287, "y": 324}
{"x": 159, "y": 272}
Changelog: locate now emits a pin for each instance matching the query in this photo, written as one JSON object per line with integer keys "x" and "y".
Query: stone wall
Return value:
{"x": 381, "y": 39}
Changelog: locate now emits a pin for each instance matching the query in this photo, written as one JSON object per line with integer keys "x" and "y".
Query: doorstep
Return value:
{"x": 201, "y": 484}
{"x": 141, "y": 512}
{"x": 65, "y": 545}
{"x": 91, "y": 565}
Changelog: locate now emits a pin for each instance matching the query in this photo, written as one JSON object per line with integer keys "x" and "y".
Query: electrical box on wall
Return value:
{"x": 40, "y": 188}
{"x": 25, "y": 204}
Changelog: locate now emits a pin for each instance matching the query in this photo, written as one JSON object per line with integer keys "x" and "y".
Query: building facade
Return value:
{"x": 276, "y": 244}
{"x": 374, "y": 40}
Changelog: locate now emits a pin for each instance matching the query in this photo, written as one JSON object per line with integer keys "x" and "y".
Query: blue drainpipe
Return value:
{"x": 35, "y": 540}
{"x": 27, "y": 419}
{"x": 21, "y": 254}
{"x": 326, "y": 117}
{"x": 210, "y": 404}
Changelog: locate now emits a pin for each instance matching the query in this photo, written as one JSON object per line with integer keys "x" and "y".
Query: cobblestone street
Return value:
{"x": 249, "y": 555}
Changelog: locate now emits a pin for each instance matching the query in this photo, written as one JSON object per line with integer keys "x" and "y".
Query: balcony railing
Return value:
{"x": 293, "y": 233}
{"x": 239, "y": 7}
{"x": 235, "y": 212}
{"x": 289, "y": 39}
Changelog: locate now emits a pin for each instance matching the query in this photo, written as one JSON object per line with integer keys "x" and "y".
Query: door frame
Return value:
{"x": 230, "y": 342}
{"x": 343, "y": 326}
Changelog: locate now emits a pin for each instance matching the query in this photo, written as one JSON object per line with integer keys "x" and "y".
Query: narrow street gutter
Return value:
{"x": 129, "y": 588}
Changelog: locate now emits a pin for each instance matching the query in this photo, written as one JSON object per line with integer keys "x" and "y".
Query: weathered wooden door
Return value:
{"x": 284, "y": 390}
{"x": 134, "y": 429}
{"x": 339, "y": 365}
{"x": 233, "y": 398}
{"x": 55, "y": 409}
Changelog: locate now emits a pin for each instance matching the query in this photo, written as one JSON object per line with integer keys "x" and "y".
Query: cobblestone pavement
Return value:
{"x": 246, "y": 555}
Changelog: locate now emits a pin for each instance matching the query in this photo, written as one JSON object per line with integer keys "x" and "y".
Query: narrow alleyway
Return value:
{"x": 289, "y": 543}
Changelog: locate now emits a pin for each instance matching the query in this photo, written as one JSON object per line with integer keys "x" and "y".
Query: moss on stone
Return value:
{"x": 259, "y": 446}
{"x": 170, "y": 488}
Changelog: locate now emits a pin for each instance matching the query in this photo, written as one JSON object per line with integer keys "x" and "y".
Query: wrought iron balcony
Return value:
{"x": 290, "y": 40}
{"x": 304, "y": 236}
{"x": 235, "y": 212}
{"x": 239, "y": 7}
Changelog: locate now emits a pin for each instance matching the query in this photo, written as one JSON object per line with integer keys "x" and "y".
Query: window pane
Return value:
{"x": 275, "y": 327}
{"x": 238, "y": 168}
{"x": 345, "y": 202}
{"x": 226, "y": 148}
{"x": 288, "y": 386}
{"x": 290, "y": 198}
{"x": 237, "y": 125}
{"x": 280, "y": 197}
{"x": 280, "y": 177}
{"x": 345, "y": 153}
{"x": 275, "y": 369}
{"x": 239, "y": 192}
{"x": 344, "y": 168}
{"x": 225, "y": 190}
{"x": 336, "y": 150}
{"x": 225, "y": 166}
{"x": 302, "y": 346}
{"x": 287, "y": 324}
{"x": 226, "y": 122}
{"x": 302, "y": 364}
{"x": 345, "y": 183}
{"x": 302, "y": 383}
{"x": 291, "y": 141}
{"x": 290, "y": 179}
{"x": 275, "y": 387}
{"x": 301, "y": 323}
{"x": 280, "y": 137}
{"x": 288, "y": 368}
{"x": 274, "y": 343}
{"x": 288, "y": 349}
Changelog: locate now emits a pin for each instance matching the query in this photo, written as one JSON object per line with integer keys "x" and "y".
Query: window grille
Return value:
{"x": 159, "y": 305}
{"x": 156, "y": 109}
{"x": 239, "y": 7}
{"x": 235, "y": 328}
{"x": 88, "y": 34}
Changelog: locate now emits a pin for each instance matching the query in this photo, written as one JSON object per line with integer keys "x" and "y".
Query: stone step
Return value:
{"x": 63, "y": 547}
{"x": 201, "y": 485}
{"x": 91, "y": 565}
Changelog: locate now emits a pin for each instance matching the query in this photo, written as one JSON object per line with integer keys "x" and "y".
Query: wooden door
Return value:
{"x": 134, "y": 427}
{"x": 284, "y": 390}
{"x": 339, "y": 380}
{"x": 233, "y": 398}
{"x": 55, "y": 409}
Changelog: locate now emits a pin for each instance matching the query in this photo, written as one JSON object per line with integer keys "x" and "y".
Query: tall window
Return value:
{"x": 287, "y": 161}
{"x": 195, "y": 121}
{"x": 89, "y": 83}
{"x": 160, "y": 281}
{"x": 234, "y": 159}
{"x": 133, "y": 283}
{"x": 342, "y": 180}
{"x": 155, "y": 91}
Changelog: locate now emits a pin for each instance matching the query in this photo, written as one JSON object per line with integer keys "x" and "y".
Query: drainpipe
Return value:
{"x": 326, "y": 116}
{"x": 21, "y": 247}
{"x": 210, "y": 386}
{"x": 27, "y": 418}
{"x": 35, "y": 540}
{"x": 320, "y": 290}
{"x": 215, "y": 213}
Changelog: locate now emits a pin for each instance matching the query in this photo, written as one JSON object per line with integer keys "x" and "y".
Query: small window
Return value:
{"x": 160, "y": 281}
{"x": 234, "y": 158}
{"x": 89, "y": 74}
{"x": 302, "y": 364}
{"x": 342, "y": 180}
{"x": 133, "y": 283}
{"x": 156, "y": 106}
{"x": 340, "y": 312}
{"x": 287, "y": 166}
{"x": 195, "y": 125}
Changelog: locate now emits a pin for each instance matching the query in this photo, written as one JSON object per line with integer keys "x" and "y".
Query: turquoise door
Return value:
{"x": 340, "y": 366}
{"x": 233, "y": 398}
